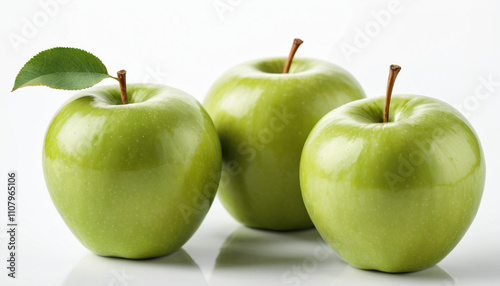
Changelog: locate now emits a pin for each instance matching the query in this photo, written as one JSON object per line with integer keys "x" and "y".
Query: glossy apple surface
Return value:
{"x": 263, "y": 117}
{"x": 132, "y": 180}
{"x": 395, "y": 196}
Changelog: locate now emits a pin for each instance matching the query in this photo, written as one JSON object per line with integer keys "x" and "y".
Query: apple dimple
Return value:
{"x": 110, "y": 96}
{"x": 404, "y": 108}
{"x": 275, "y": 66}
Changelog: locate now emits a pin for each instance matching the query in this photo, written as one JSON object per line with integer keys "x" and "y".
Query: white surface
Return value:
{"x": 447, "y": 49}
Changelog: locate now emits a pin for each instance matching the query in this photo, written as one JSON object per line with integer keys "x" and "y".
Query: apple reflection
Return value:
{"x": 431, "y": 276}
{"x": 250, "y": 256}
{"x": 177, "y": 268}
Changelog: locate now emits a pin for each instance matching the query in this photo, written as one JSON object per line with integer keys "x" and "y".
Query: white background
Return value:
{"x": 448, "y": 49}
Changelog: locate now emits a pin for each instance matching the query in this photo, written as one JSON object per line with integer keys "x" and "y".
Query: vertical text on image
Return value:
{"x": 12, "y": 224}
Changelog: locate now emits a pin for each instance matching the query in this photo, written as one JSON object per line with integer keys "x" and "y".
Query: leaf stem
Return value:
{"x": 295, "y": 46}
{"x": 393, "y": 73}
{"x": 123, "y": 85}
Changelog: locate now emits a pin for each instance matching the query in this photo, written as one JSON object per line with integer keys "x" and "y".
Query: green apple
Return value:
{"x": 263, "y": 117}
{"x": 132, "y": 180}
{"x": 393, "y": 196}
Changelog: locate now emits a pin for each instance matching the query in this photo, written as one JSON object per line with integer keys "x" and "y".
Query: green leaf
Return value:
{"x": 62, "y": 68}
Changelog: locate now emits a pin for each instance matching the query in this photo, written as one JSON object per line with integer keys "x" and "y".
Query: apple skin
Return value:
{"x": 396, "y": 196}
{"x": 263, "y": 118}
{"x": 134, "y": 180}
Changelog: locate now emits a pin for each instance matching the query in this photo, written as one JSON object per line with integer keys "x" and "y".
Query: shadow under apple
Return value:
{"x": 250, "y": 256}
{"x": 434, "y": 275}
{"x": 177, "y": 268}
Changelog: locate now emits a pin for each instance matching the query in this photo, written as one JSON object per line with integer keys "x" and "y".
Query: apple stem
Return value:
{"x": 393, "y": 73}
{"x": 295, "y": 46}
{"x": 123, "y": 85}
